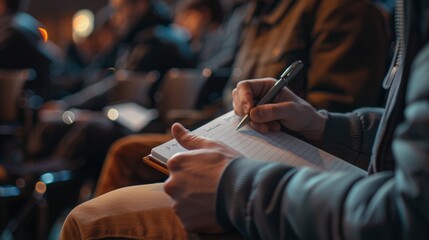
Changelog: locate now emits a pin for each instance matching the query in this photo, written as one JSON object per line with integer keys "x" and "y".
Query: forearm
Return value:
{"x": 275, "y": 201}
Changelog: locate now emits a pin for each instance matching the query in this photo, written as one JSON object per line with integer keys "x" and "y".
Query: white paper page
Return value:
{"x": 280, "y": 146}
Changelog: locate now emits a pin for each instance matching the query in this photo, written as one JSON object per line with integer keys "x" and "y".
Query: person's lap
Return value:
{"x": 137, "y": 212}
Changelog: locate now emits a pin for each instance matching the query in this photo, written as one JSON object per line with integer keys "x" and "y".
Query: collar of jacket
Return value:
{"x": 270, "y": 18}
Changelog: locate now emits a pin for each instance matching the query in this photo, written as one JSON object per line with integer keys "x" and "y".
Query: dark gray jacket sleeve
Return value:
{"x": 350, "y": 136}
{"x": 275, "y": 201}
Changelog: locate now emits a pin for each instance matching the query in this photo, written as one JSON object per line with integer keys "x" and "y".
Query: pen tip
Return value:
{"x": 240, "y": 125}
{"x": 243, "y": 122}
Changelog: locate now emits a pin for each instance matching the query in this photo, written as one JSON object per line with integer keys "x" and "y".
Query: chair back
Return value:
{"x": 133, "y": 86}
{"x": 11, "y": 86}
{"x": 179, "y": 89}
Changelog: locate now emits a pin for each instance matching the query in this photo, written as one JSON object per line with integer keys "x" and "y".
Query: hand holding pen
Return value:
{"x": 287, "y": 75}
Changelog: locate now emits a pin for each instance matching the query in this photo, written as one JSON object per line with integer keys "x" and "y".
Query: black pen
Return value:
{"x": 287, "y": 75}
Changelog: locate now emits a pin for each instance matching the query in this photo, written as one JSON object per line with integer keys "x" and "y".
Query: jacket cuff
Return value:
{"x": 342, "y": 136}
{"x": 234, "y": 189}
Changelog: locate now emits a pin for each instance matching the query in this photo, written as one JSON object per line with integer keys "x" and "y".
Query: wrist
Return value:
{"x": 318, "y": 127}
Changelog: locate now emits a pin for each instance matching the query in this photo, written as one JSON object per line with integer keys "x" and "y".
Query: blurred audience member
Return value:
{"x": 22, "y": 45}
{"x": 88, "y": 59}
{"x": 157, "y": 46}
{"x": 341, "y": 44}
{"x": 201, "y": 19}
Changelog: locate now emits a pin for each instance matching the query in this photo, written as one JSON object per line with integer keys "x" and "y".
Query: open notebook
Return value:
{"x": 274, "y": 146}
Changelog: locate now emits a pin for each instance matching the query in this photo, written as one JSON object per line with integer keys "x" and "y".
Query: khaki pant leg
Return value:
{"x": 137, "y": 212}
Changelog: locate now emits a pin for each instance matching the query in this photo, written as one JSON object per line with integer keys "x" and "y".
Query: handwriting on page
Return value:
{"x": 278, "y": 147}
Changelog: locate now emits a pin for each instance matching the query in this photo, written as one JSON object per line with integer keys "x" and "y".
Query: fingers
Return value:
{"x": 180, "y": 160}
{"x": 246, "y": 91}
{"x": 266, "y": 127}
{"x": 272, "y": 112}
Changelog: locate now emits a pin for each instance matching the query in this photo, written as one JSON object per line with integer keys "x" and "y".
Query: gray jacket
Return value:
{"x": 276, "y": 201}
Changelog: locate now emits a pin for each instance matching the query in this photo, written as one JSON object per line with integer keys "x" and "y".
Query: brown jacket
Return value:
{"x": 343, "y": 44}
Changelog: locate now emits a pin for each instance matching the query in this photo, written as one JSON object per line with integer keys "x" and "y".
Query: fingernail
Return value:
{"x": 179, "y": 128}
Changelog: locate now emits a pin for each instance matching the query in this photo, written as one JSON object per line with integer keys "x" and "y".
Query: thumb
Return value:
{"x": 185, "y": 138}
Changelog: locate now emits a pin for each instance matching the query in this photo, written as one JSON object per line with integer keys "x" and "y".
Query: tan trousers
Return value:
{"x": 136, "y": 212}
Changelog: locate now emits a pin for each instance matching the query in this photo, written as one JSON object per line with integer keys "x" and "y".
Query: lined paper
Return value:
{"x": 273, "y": 146}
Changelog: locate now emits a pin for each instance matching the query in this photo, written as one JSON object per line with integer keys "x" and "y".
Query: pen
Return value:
{"x": 287, "y": 75}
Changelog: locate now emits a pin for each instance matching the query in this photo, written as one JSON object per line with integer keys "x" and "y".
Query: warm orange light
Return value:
{"x": 40, "y": 187}
{"x": 44, "y": 34}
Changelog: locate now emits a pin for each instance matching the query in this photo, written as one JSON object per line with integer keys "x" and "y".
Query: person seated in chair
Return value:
{"x": 253, "y": 199}
{"x": 341, "y": 71}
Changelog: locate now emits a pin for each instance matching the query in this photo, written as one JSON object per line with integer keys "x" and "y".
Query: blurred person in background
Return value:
{"x": 202, "y": 21}
{"x": 340, "y": 44}
{"x": 87, "y": 59}
{"x": 143, "y": 46}
{"x": 123, "y": 166}
{"x": 22, "y": 45}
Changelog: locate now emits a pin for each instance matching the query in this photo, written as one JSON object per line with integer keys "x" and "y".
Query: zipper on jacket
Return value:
{"x": 396, "y": 63}
{"x": 400, "y": 43}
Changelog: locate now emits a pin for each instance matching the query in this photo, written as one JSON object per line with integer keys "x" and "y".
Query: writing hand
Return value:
{"x": 194, "y": 177}
{"x": 286, "y": 109}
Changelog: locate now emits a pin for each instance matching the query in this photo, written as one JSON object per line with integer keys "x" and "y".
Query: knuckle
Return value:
{"x": 241, "y": 84}
{"x": 169, "y": 186}
{"x": 175, "y": 162}
{"x": 234, "y": 92}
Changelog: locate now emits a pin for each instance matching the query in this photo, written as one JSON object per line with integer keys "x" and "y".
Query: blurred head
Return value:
{"x": 105, "y": 37}
{"x": 197, "y": 16}
{"x": 128, "y": 12}
{"x": 104, "y": 34}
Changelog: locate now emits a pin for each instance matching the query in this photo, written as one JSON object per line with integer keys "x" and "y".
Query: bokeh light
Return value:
{"x": 44, "y": 34}
{"x": 113, "y": 114}
{"x": 40, "y": 187}
{"x": 83, "y": 24}
{"x": 68, "y": 117}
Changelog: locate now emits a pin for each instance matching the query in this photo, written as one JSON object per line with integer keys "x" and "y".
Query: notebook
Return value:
{"x": 273, "y": 146}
